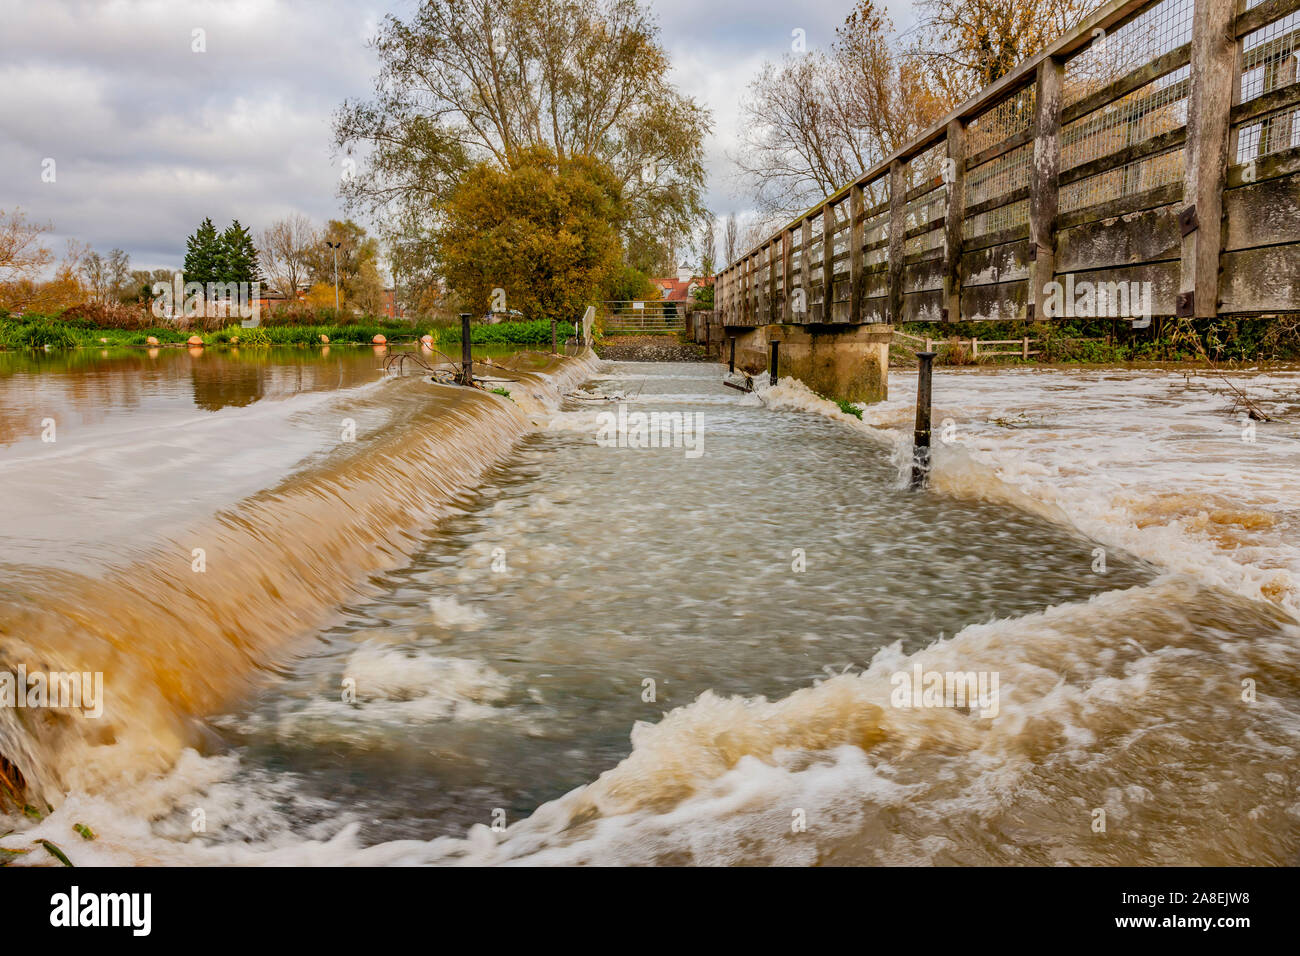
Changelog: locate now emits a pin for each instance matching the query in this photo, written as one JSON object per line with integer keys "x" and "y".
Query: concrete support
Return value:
{"x": 838, "y": 361}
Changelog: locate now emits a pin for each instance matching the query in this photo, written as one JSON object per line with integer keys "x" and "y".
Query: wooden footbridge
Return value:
{"x": 1155, "y": 148}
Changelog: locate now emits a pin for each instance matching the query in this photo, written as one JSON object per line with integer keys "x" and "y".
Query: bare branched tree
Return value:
{"x": 731, "y": 238}
{"x": 22, "y": 253}
{"x": 286, "y": 249}
{"x": 816, "y": 121}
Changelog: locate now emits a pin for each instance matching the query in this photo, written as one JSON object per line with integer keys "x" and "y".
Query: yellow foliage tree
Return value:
{"x": 545, "y": 232}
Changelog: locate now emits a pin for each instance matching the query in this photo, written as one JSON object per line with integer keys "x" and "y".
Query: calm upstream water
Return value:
{"x": 469, "y": 632}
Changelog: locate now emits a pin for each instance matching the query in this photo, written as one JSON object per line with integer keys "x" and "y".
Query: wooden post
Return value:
{"x": 1209, "y": 109}
{"x": 466, "y": 353}
{"x": 805, "y": 267}
{"x": 731, "y": 362}
{"x": 772, "y": 376}
{"x": 975, "y": 348}
{"x": 1043, "y": 183}
{"x": 744, "y": 290}
{"x": 772, "y": 314}
{"x": 897, "y": 225}
{"x": 828, "y": 262}
{"x": 955, "y": 177}
{"x": 787, "y": 274}
{"x": 726, "y": 295}
{"x": 855, "y": 254}
{"x": 921, "y": 437}
{"x": 1024, "y": 349}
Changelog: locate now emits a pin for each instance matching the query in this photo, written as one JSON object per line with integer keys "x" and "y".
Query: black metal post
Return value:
{"x": 921, "y": 440}
{"x": 731, "y": 363}
{"x": 772, "y": 376}
{"x": 466, "y": 355}
{"x": 554, "y": 350}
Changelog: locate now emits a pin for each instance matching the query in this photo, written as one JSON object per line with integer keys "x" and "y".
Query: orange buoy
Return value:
{"x": 194, "y": 340}
{"x": 234, "y": 340}
{"x": 379, "y": 340}
{"x": 151, "y": 341}
{"x": 324, "y": 340}
{"x": 427, "y": 340}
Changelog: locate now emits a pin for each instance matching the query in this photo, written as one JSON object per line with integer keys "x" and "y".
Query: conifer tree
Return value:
{"x": 203, "y": 254}
{"x": 238, "y": 256}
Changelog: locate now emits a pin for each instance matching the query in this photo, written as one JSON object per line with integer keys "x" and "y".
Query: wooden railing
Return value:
{"x": 1154, "y": 150}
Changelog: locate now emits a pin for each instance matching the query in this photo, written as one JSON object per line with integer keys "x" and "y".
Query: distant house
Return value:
{"x": 392, "y": 308}
{"x": 270, "y": 299}
{"x": 682, "y": 287}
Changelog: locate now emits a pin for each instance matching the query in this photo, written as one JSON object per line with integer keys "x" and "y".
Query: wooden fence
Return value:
{"x": 1154, "y": 151}
{"x": 644, "y": 316}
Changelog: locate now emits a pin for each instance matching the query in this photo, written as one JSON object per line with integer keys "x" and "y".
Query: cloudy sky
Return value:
{"x": 143, "y": 137}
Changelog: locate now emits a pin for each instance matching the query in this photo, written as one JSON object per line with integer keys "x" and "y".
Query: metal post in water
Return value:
{"x": 921, "y": 440}
{"x": 554, "y": 351}
{"x": 776, "y": 346}
{"x": 466, "y": 355}
{"x": 731, "y": 363}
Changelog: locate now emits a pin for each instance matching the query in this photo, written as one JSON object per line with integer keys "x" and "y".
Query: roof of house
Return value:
{"x": 678, "y": 289}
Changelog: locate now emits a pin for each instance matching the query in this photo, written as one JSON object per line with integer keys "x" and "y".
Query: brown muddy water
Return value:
{"x": 433, "y": 626}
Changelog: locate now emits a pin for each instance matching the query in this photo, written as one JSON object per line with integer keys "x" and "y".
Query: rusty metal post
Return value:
{"x": 466, "y": 355}
{"x": 772, "y": 374}
{"x": 921, "y": 438}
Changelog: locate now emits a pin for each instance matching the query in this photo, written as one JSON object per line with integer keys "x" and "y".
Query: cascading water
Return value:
{"x": 479, "y": 635}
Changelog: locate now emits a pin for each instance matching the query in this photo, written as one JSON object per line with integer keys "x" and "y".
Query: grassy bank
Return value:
{"x": 52, "y": 332}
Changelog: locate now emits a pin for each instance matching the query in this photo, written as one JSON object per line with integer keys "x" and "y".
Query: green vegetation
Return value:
{"x": 630, "y": 284}
{"x": 506, "y": 333}
{"x": 35, "y": 334}
{"x": 848, "y": 408}
{"x": 76, "y": 331}
{"x": 1107, "y": 342}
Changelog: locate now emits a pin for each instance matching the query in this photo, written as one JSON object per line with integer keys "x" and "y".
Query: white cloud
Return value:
{"x": 149, "y": 137}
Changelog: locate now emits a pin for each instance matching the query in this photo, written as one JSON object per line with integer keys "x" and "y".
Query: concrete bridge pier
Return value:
{"x": 838, "y": 361}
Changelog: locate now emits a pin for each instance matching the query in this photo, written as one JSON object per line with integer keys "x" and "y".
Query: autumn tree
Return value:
{"x": 545, "y": 231}
{"x": 23, "y": 256}
{"x": 361, "y": 286}
{"x": 964, "y": 45}
{"x": 468, "y": 82}
{"x": 629, "y": 284}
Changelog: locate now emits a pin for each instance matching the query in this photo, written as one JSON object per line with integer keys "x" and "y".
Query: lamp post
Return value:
{"x": 335, "y": 247}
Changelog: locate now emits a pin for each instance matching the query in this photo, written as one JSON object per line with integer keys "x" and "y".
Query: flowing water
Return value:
{"x": 471, "y": 632}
